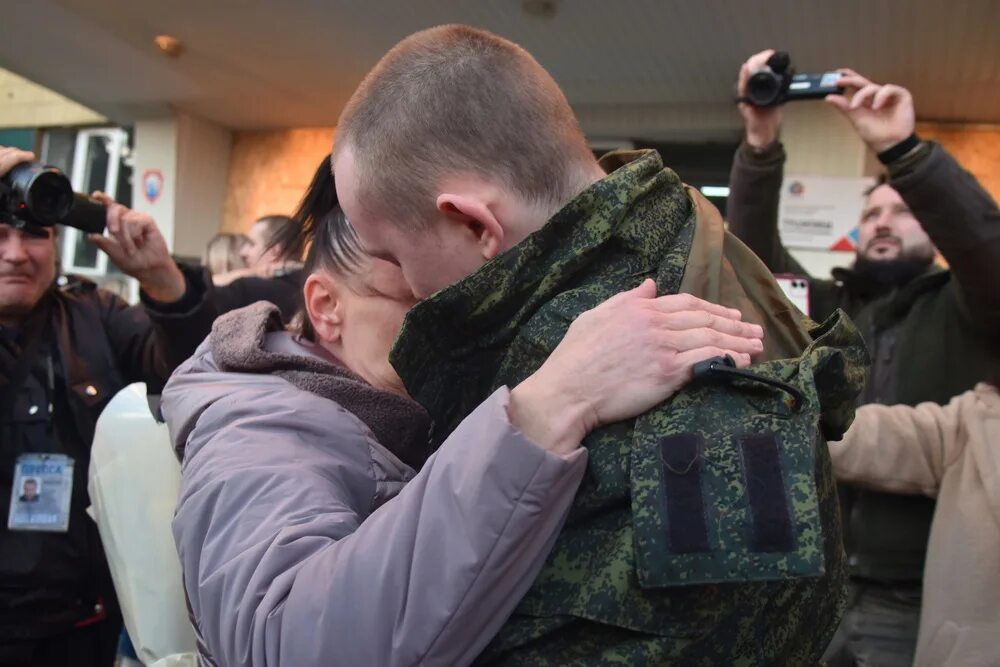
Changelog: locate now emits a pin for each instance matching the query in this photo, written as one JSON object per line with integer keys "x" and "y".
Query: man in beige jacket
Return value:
{"x": 950, "y": 452}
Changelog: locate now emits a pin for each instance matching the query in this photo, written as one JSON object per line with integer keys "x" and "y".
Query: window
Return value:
{"x": 94, "y": 159}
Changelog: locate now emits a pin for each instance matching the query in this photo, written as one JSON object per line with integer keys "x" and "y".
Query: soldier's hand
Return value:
{"x": 622, "y": 358}
{"x": 136, "y": 247}
{"x": 11, "y": 157}
{"x": 882, "y": 115}
{"x": 762, "y": 124}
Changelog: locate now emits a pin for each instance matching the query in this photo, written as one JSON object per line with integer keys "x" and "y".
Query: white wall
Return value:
{"x": 156, "y": 149}
{"x": 203, "y": 151}
{"x": 821, "y": 142}
{"x": 192, "y": 154}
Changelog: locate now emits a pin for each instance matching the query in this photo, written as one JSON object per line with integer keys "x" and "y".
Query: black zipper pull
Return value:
{"x": 717, "y": 368}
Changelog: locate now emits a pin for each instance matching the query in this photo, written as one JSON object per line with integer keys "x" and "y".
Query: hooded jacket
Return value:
{"x": 304, "y": 537}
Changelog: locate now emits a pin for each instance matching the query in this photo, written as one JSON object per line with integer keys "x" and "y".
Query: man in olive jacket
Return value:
{"x": 931, "y": 332}
{"x": 706, "y": 529}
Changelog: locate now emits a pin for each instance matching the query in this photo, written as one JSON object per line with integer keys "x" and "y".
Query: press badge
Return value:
{"x": 41, "y": 494}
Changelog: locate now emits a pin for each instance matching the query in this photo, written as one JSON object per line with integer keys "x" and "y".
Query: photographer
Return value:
{"x": 65, "y": 350}
{"x": 931, "y": 332}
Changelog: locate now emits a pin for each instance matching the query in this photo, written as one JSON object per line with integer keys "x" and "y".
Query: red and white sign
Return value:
{"x": 152, "y": 184}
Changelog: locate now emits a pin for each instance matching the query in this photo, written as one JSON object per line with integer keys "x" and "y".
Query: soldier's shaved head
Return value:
{"x": 458, "y": 99}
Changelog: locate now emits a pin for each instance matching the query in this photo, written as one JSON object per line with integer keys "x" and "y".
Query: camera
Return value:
{"x": 34, "y": 196}
{"x": 777, "y": 83}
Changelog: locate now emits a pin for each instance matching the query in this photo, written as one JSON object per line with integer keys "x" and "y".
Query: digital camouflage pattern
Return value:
{"x": 661, "y": 560}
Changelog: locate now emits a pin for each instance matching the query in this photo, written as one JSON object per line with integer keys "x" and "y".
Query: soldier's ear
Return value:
{"x": 475, "y": 220}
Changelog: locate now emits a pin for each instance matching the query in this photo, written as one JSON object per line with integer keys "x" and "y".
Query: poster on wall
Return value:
{"x": 821, "y": 212}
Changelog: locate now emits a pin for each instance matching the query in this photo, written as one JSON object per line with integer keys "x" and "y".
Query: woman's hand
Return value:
{"x": 622, "y": 358}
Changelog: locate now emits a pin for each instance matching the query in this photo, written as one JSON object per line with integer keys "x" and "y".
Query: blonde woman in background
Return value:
{"x": 224, "y": 259}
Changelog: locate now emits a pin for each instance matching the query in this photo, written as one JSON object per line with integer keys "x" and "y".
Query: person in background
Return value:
{"x": 223, "y": 257}
{"x": 286, "y": 248}
{"x": 261, "y": 254}
{"x": 931, "y": 332}
{"x": 315, "y": 527}
{"x": 951, "y": 453}
{"x": 65, "y": 351}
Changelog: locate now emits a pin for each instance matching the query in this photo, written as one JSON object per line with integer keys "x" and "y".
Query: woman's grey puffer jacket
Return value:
{"x": 303, "y": 541}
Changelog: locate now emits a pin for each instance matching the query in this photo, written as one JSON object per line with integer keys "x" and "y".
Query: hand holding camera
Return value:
{"x": 762, "y": 122}
{"x": 10, "y": 157}
{"x": 135, "y": 245}
{"x": 34, "y": 197}
{"x": 768, "y": 80}
{"x": 882, "y": 115}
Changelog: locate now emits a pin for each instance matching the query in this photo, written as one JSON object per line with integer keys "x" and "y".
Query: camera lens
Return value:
{"x": 45, "y": 191}
{"x": 763, "y": 88}
{"x": 49, "y": 196}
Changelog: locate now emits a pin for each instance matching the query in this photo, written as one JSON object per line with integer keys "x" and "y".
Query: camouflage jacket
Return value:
{"x": 707, "y": 530}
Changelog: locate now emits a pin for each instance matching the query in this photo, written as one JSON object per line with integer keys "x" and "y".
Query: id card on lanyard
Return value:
{"x": 41, "y": 493}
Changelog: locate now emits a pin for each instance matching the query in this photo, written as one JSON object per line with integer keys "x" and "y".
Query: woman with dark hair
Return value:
{"x": 952, "y": 453}
{"x": 318, "y": 201}
{"x": 314, "y": 525}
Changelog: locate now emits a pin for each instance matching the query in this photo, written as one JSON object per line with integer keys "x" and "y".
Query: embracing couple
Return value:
{"x": 488, "y": 438}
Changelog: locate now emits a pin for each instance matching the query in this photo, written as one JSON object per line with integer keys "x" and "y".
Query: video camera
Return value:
{"x": 34, "y": 196}
{"x": 777, "y": 83}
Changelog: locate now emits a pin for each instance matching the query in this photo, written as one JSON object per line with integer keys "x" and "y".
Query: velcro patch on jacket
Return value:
{"x": 723, "y": 483}
{"x": 772, "y": 525}
{"x": 685, "y": 504}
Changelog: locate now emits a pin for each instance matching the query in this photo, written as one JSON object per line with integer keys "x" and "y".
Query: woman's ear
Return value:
{"x": 476, "y": 219}
{"x": 324, "y": 307}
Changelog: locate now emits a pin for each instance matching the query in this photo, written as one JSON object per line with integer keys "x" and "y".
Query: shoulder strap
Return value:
{"x": 721, "y": 269}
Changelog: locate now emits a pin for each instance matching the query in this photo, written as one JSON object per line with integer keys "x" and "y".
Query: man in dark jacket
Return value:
{"x": 931, "y": 332}
{"x": 66, "y": 348}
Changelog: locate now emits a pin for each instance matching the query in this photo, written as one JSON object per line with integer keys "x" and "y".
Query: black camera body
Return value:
{"x": 34, "y": 196}
{"x": 777, "y": 83}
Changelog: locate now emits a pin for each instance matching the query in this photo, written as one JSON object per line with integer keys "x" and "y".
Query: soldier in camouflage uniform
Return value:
{"x": 707, "y": 529}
